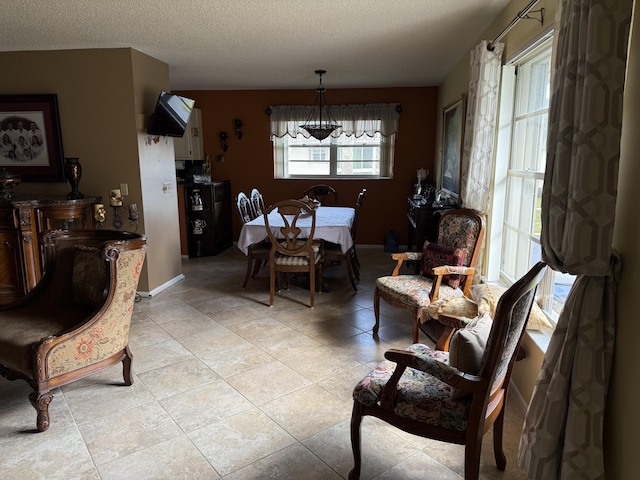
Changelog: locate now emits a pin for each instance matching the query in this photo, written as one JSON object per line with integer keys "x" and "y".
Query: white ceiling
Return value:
{"x": 263, "y": 44}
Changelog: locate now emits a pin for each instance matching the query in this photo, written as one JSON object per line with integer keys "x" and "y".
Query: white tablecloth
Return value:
{"x": 333, "y": 224}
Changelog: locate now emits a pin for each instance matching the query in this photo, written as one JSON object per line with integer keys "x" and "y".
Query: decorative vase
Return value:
{"x": 73, "y": 171}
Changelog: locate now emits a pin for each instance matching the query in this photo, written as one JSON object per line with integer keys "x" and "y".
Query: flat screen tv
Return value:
{"x": 171, "y": 115}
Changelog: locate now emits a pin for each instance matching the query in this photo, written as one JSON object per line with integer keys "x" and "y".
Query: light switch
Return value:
{"x": 124, "y": 189}
{"x": 166, "y": 187}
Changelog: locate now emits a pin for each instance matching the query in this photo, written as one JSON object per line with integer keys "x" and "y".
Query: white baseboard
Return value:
{"x": 162, "y": 287}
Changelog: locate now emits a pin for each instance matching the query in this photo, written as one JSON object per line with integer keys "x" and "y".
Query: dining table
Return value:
{"x": 333, "y": 224}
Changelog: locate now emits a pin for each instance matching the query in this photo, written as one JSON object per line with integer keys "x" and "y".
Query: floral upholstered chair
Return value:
{"x": 447, "y": 269}
{"x": 453, "y": 396}
{"x": 75, "y": 322}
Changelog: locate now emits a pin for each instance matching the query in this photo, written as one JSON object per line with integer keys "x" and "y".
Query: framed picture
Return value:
{"x": 31, "y": 144}
{"x": 453, "y": 116}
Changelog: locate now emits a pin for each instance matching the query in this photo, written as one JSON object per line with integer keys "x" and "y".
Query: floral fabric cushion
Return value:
{"x": 487, "y": 296}
{"x": 89, "y": 282}
{"x": 454, "y": 306}
{"x": 435, "y": 255}
{"x": 420, "y": 396}
{"x": 412, "y": 290}
{"x": 467, "y": 347}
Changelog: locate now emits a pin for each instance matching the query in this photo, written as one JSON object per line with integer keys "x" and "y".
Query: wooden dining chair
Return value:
{"x": 294, "y": 252}
{"x": 333, "y": 252}
{"x": 257, "y": 202}
{"x": 454, "y": 396}
{"x": 325, "y": 194}
{"x": 258, "y": 253}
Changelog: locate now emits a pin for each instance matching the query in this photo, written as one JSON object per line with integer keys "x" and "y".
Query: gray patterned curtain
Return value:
{"x": 563, "y": 434}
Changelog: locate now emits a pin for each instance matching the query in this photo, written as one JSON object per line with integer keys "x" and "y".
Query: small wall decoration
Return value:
{"x": 453, "y": 117}
{"x": 31, "y": 143}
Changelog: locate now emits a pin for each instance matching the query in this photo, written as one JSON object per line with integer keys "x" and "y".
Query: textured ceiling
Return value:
{"x": 264, "y": 44}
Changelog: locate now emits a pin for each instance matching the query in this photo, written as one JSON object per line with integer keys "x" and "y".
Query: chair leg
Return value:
{"x": 246, "y": 277}
{"x": 376, "y": 310}
{"x": 356, "y": 420}
{"x": 416, "y": 324}
{"x": 350, "y": 273}
{"x": 41, "y": 401}
{"x": 472, "y": 460}
{"x": 498, "y": 429}
{"x": 272, "y": 285}
{"x": 126, "y": 366}
{"x": 256, "y": 268}
{"x": 312, "y": 283}
{"x": 355, "y": 255}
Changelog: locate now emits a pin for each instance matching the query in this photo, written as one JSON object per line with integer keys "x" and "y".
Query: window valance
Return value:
{"x": 355, "y": 120}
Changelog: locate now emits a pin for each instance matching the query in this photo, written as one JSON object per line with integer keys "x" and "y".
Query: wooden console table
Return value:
{"x": 423, "y": 222}
{"x": 22, "y": 221}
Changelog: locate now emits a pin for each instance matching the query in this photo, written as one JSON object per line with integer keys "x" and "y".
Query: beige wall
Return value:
{"x": 98, "y": 118}
{"x": 622, "y": 421}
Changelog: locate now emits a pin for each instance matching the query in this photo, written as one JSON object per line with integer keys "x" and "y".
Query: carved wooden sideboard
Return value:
{"x": 22, "y": 221}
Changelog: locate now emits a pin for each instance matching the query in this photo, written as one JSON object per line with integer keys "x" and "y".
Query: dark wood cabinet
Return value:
{"x": 423, "y": 222}
{"x": 206, "y": 217}
{"x": 22, "y": 221}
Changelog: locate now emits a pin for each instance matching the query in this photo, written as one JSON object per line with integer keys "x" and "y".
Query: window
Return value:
{"x": 520, "y": 174}
{"x": 362, "y": 147}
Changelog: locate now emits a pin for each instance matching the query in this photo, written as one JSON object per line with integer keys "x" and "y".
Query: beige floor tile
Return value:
{"x": 293, "y": 462}
{"x": 236, "y": 360}
{"x": 235, "y": 442}
{"x": 259, "y": 329}
{"x": 263, "y": 384}
{"x": 127, "y": 431}
{"x": 418, "y": 467}
{"x": 194, "y": 325}
{"x": 177, "y": 378}
{"x": 307, "y": 411}
{"x": 171, "y": 313}
{"x": 212, "y": 341}
{"x": 287, "y": 343}
{"x": 205, "y": 405}
{"x": 175, "y": 459}
{"x": 159, "y": 355}
{"x": 321, "y": 363}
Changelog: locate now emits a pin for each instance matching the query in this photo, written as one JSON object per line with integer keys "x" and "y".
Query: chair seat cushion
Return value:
{"x": 420, "y": 396}
{"x": 281, "y": 259}
{"x": 412, "y": 290}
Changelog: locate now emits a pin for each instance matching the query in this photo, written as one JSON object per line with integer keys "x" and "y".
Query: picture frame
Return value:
{"x": 453, "y": 118}
{"x": 37, "y": 156}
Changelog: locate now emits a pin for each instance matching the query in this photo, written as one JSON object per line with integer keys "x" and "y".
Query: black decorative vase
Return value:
{"x": 73, "y": 171}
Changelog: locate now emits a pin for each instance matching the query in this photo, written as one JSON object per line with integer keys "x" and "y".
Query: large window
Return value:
{"x": 362, "y": 147}
{"x": 526, "y": 84}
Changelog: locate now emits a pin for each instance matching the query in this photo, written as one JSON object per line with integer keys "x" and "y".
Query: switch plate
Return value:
{"x": 124, "y": 189}
{"x": 166, "y": 187}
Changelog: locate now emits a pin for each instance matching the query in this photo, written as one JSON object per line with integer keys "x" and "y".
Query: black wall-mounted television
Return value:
{"x": 171, "y": 115}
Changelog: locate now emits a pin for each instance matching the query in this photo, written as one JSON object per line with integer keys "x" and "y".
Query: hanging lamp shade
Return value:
{"x": 320, "y": 123}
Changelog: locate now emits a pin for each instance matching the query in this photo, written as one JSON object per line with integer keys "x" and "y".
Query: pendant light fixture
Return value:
{"x": 315, "y": 125}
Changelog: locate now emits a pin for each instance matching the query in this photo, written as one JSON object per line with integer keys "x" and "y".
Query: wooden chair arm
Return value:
{"x": 440, "y": 272}
{"x": 446, "y": 373}
{"x": 401, "y": 257}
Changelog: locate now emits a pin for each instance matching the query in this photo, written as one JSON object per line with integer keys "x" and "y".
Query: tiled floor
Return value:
{"x": 226, "y": 387}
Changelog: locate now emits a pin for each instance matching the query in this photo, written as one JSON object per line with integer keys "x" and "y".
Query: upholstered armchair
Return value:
{"x": 454, "y": 396}
{"x": 75, "y": 322}
{"x": 447, "y": 268}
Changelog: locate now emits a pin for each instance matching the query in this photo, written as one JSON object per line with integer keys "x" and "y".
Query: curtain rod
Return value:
{"x": 522, "y": 14}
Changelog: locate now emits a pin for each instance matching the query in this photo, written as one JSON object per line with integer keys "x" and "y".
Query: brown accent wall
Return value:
{"x": 249, "y": 162}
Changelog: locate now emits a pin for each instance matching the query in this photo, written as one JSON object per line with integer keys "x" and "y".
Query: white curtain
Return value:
{"x": 562, "y": 436}
{"x": 356, "y": 120}
{"x": 480, "y": 125}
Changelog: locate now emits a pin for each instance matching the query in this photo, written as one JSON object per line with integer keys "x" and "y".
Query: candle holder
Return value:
{"x": 117, "y": 220}
{"x": 99, "y": 214}
{"x": 133, "y": 216}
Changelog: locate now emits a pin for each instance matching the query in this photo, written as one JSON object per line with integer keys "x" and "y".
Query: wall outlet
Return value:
{"x": 124, "y": 189}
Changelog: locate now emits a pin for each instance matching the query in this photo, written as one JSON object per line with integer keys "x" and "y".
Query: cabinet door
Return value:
{"x": 189, "y": 146}
{"x": 12, "y": 283}
{"x": 66, "y": 217}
